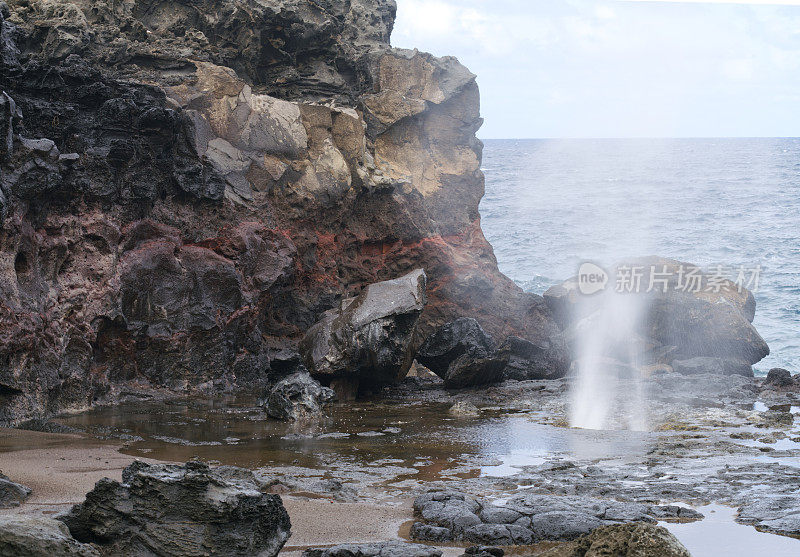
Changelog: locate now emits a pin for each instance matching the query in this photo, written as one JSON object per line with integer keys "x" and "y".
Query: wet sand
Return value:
{"x": 61, "y": 468}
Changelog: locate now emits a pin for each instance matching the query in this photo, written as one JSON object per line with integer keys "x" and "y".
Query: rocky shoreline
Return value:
{"x": 240, "y": 242}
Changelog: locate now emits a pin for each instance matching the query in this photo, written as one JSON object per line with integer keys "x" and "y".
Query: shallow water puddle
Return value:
{"x": 719, "y": 534}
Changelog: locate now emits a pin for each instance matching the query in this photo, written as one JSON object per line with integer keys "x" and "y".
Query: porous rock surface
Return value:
{"x": 186, "y": 186}
{"x": 393, "y": 548}
{"x": 369, "y": 338}
{"x": 623, "y": 540}
{"x": 528, "y": 518}
{"x": 298, "y": 397}
{"x": 181, "y": 510}
{"x": 38, "y": 536}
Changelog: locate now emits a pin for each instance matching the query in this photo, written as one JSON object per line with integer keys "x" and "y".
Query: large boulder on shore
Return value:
{"x": 368, "y": 339}
{"x": 462, "y": 354}
{"x": 526, "y": 360}
{"x": 298, "y": 397}
{"x": 181, "y": 511}
{"x": 38, "y": 536}
{"x": 688, "y": 313}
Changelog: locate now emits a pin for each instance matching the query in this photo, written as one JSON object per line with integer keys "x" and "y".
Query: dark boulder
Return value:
{"x": 716, "y": 366}
{"x": 779, "y": 378}
{"x": 529, "y": 360}
{"x": 12, "y": 494}
{"x": 181, "y": 510}
{"x": 38, "y": 536}
{"x": 483, "y": 551}
{"x": 704, "y": 316}
{"x": 527, "y": 518}
{"x": 462, "y": 354}
{"x": 298, "y": 397}
{"x": 380, "y": 549}
{"x": 369, "y": 337}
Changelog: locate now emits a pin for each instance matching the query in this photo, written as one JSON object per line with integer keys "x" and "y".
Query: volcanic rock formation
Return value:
{"x": 187, "y": 186}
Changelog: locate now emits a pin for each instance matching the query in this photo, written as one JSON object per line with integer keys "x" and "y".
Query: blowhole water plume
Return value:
{"x": 608, "y": 388}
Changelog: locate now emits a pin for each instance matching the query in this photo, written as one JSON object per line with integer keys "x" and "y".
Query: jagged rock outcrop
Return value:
{"x": 298, "y": 397}
{"x": 368, "y": 340}
{"x": 181, "y": 510}
{"x": 462, "y": 354}
{"x": 187, "y": 186}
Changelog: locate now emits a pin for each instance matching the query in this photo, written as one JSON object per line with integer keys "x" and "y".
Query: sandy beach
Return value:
{"x": 62, "y": 468}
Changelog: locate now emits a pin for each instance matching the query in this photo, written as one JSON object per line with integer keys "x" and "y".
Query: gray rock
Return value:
{"x": 778, "y": 377}
{"x": 298, "y": 397}
{"x": 12, "y": 494}
{"x": 528, "y": 518}
{"x": 483, "y": 551}
{"x": 464, "y": 409}
{"x": 34, "y": 536}
{"x": 623, "y": 540}
{"x": 705, "y": 321}
{"x": 181, "y": 510}
{"x": 716, "y": 366}
{"x": 528, "y": 360}
{"x": 422, "y": 531}
{"x": 462, "y": 354}
{"x": 369, "y": 338}
{"x": 382, "y": 549}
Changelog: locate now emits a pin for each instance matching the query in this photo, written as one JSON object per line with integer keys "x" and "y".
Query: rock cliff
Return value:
{"x": 186, "y": 186}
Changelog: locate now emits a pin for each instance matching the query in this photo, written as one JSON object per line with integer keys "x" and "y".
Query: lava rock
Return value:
{"x": 623, "y": 540}
{"x": 527, "y": 360}
{"x": 298, "y": 397}
{"x": 528, "y": 518}
{"x": 181, "y": 510}
{"x": 369, "y": 338}
{"x": 483, "y": 551}
{"x": 464, "y": 409}
{"x": 12, "y": 494}
{"x": 715, "y": 366}
{"x": 462, "y": 354}
{"x": 380, "y": 549}
{"x": 779, "y": 378}
{"x": 34, "y": 536}
{"x": 713, "y": 320}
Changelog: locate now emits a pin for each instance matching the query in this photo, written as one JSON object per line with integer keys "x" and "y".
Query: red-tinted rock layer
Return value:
{"x": 186, "y": 186}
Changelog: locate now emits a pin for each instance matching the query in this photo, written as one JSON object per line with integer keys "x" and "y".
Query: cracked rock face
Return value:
{"x": 181, "y": 510}
{"x": 186, "y": 187}
{"x": 298, "y": 397}
{"x": 369, "y": 338}
{"x": 527, "y": 519}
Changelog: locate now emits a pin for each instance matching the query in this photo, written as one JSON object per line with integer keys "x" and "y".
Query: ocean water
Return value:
{"x": 552, "y": 204}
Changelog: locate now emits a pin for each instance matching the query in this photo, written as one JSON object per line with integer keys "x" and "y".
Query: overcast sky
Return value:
{"x": 620, "y": 68}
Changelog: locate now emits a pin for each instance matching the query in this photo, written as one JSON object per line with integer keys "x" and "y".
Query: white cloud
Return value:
{"x": 615, "y": 68}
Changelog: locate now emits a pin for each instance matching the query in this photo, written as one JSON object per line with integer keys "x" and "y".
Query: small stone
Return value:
{"x": 464, "y": 409}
